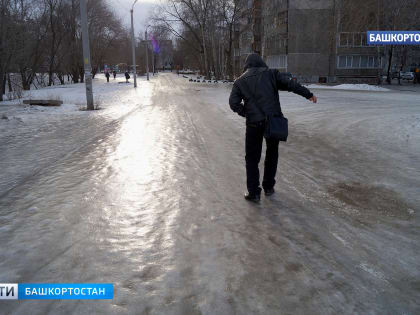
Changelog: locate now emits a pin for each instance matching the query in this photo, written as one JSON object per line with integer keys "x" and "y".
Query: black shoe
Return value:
{"x": 253, "y": 198}
{"x": 269, "y": 192}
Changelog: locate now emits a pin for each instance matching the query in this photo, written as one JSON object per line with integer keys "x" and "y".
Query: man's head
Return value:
{"x": 254, "y": 61}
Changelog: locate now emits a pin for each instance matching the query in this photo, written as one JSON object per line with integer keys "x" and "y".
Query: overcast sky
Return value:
{"x": 142, "y": 10}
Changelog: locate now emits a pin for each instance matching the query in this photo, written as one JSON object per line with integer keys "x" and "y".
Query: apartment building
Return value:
{"x": 308, "y": 39}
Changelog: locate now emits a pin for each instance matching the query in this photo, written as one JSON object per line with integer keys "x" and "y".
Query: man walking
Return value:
{"x": 258, "y": 89}
{"x": 127, "y": 76}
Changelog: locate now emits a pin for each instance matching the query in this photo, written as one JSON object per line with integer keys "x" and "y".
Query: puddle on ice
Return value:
{"x": 372, "y": 200}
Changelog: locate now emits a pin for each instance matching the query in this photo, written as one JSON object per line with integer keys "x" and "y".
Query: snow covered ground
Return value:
{"x": 351, "y": 87}
{"x": 147, "y": 194}
{"x": 74, "y": 100}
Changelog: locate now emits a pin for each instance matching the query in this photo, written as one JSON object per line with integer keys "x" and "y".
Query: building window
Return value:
{"x": 346, "y": 39}
{"x": 357, "y": 62}
{"x": 342, "y": 62}
{"x": 364, "y": 62}
{"x": 352, "y": 40}
{"x": 277, "y": 61}
{"x": 363, "y": 39}
{"x": 281, "y": 18}
{"x": 373, "y": 62}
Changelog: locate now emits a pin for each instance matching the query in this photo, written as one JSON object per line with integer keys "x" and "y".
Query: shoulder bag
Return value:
{"x": 276, "y": 125}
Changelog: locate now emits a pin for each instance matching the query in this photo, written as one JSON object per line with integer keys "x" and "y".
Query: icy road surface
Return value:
{"x": 147, "y": 194}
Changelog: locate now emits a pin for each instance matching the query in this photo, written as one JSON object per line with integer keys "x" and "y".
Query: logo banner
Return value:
{"x": 56, "y": 291}
{"x": 393, "y": 38}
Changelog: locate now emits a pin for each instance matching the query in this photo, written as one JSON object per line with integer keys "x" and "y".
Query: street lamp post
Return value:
{"x": 133, "y": 44}
{"x": 153, "y": 60}
{"x": 147, "y": 54}
{"x": 86, "y": 56}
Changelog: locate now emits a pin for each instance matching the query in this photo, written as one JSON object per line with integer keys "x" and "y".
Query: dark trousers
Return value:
{"x": 253, "y": 148}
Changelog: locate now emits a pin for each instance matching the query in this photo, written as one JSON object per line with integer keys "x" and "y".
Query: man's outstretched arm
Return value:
{"x": 235, "y": 101}
{"x": 286, "y": 83}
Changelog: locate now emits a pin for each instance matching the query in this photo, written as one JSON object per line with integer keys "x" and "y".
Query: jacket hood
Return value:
{"x": 254, "y": 61}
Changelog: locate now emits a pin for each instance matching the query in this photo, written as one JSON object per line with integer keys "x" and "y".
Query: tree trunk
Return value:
{"x": 9, "y": 82}
{"x": 206, "y": 67}
{"x": 399, "y": 74}
{"x": 82, "y": 75}
{"x": 229, "y": 66}
{"x": 403, "y": 61}
{"x": 50, "y": 77}
{"x": 26, "y": 81}
{"x": 214, "y": 56}
{"x": 2, "y": 85}
{"x": 2, "y": 51}
{"x": 388, "y": 76}
{"x": 75, "y": 76}
{"x": 94, "y": 71}
{"x": 52, "y": 48}
{"x": 61, "y": 78}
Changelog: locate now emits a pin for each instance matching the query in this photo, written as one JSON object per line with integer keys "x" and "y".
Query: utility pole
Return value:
{"x": 153, "y": 60}
{"x": 287, "y": 36}
{"x": 86, "y": 55}
{"x": 147, "y": 54}
{"x": 133, "y": 44}
{"x": 379, "y": 59}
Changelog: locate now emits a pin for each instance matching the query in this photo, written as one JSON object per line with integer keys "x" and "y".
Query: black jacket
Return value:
{"x": 260, "y": 85}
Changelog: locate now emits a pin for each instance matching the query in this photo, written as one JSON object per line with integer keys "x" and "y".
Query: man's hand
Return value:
{"x": 313, "y": 99}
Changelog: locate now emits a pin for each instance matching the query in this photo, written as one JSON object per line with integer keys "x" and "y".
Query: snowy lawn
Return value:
{"x": 350, "y": 87}
{"x": 113, "y": 99}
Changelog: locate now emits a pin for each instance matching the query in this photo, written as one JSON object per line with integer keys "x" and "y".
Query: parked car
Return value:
{"x": 404, "y": 75}
{"x": 407, "y": 76}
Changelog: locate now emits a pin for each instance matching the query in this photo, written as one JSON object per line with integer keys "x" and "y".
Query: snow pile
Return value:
{"x": 354, "y": 87}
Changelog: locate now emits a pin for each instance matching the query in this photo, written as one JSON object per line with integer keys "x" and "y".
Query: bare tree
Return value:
{"x": 6, "y": 50}
{"x": 400, "y": 16}
{"x": 205, "y": 28}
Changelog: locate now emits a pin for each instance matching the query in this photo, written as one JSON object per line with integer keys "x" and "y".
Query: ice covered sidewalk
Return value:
{"x": 34, "y": 136}
{"x": 149, "y": 196}
{"x": 380, "y": 127}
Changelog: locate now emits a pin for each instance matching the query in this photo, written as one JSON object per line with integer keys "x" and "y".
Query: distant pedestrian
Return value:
{"x": 127, "y": 76}
{"x": 258, "y": 89}
{"x": 107, "y": 76}
{"x": 114, "y": 73}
